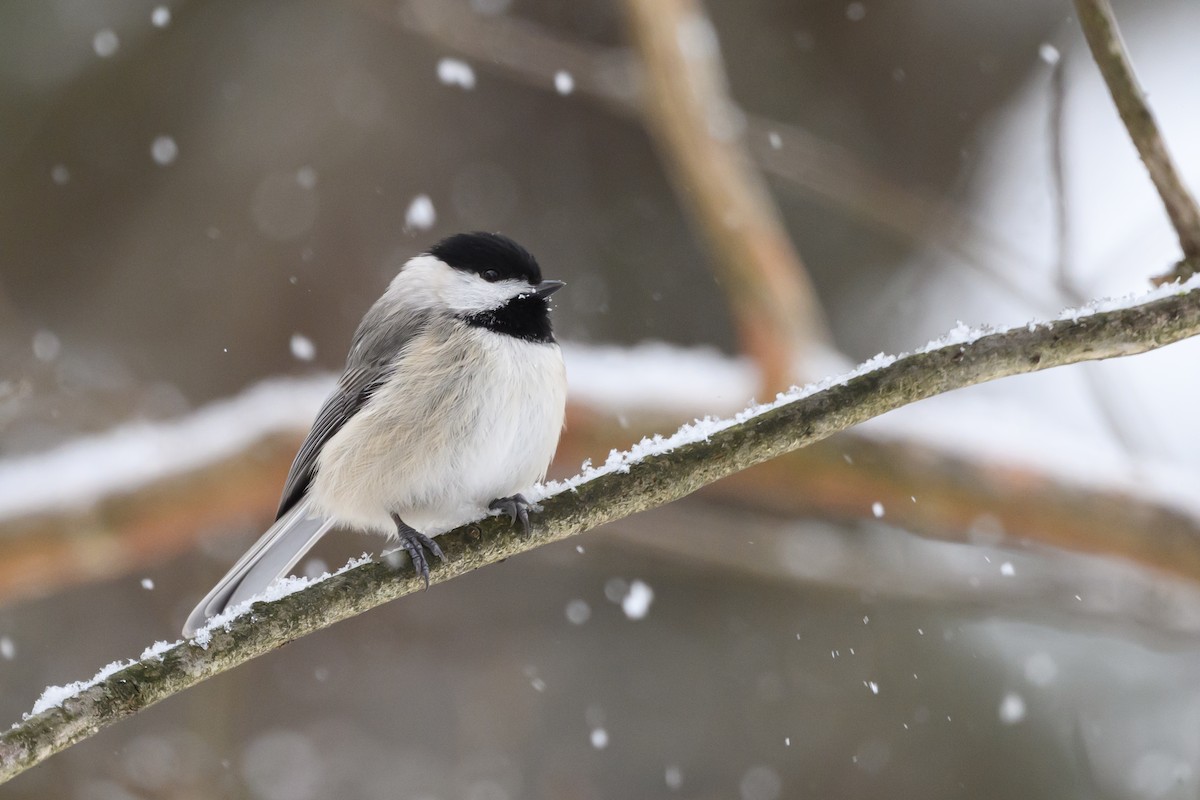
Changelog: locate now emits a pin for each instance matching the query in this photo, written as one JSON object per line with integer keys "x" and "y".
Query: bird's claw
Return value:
{"x": 515, "y": 508}
{"x": 415, "y": 544}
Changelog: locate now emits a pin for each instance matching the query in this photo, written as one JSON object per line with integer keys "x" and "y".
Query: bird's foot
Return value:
{"x": 415, "y": 544}
{"x": 515, "y": 508}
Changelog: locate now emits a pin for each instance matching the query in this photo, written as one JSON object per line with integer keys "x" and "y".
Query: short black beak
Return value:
{"x": 547, "y": 288}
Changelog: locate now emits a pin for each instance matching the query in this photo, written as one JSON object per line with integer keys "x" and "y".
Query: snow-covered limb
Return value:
{"x": 656, "y": 472}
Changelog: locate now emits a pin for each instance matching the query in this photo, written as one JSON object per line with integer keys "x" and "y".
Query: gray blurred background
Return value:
{"x": 184, "y": 191}
{"x": 302, "y": 131}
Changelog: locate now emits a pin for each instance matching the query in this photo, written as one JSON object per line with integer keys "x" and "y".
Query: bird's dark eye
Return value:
{"x": 491, "y": 275}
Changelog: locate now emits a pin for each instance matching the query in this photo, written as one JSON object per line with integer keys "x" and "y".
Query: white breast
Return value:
{"x": 473, "y": 417}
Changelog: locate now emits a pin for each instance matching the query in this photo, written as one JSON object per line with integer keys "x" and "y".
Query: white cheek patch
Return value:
{"x": 418, "y": 284}
{"x": 466, "y": 292}
{"x": 428, "y": 282}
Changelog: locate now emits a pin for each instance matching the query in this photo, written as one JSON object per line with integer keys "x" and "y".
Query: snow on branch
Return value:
{"x": 657, "y": 471}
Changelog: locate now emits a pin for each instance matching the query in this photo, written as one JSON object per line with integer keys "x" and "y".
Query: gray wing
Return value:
{"x": 353, "y": 390}
{"x": 380, "y": 337}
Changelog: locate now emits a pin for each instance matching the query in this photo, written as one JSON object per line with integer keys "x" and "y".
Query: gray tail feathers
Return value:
{"x": 276, "y": 552}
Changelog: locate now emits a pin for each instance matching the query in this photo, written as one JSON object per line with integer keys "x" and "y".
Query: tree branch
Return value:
{"x": 634, "y": 483}
{"x": 837, "y": 479}
{"x": 700, "y": 134}
{"x": 1104, "y": 38}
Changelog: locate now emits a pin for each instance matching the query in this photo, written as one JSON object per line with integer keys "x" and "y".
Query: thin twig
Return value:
{"x": 1058, "y": 174}
{"x": 1104, "y": 38}
{"x": 647, "y": 483}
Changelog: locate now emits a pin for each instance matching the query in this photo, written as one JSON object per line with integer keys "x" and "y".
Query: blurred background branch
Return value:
{"x": 842, "y": 478}
{"x": 1104, "y": 39}
{"x": 700, "y": 131}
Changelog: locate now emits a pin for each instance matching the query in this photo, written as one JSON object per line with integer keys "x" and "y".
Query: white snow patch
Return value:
{"x": 160, "y": 17}
{"x": 1007, "y": 569}
{"x": 877, "y": 509}
{"x": 148, "y": 584}
{"x": 158, "y": 649}
{"x": 1041, "y": 669}
{"x": 673, "y": 775}
{"x": 1012, "y": 709}
{"x": 302, "y": 347}
{"x": 105, "y": 42}
{"x": 137, "y": 453}
{"x": 421, "y": 214}
{"x": 454, "y": 72}
{"x": 1049, "y": 53}
{"x": 306, "y": 176}
{"x": 564, "y": 83}
{"x": 55, "y": 696}
{"x": 578, "y": 612}
{"x": 653, "y": 376}
{"x": 276, "y": 591}
{"x": 60, "y": 174}
{"x": 46, "y": 346}
{"x": 872, "y": 685}
{"x": 599, "y": 738}
{"x": 8, "y": 650}
{"x": 163, "y": 150}
{"x": 637, "y": 600}
{"x": 700, "y": 430}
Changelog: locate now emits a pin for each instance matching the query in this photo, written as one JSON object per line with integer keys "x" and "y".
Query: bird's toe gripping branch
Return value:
{"x": 515, "y": 508}
{"x": 416, "y": 544}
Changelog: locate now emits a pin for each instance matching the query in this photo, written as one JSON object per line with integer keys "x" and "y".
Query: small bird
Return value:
{"x": 451, "y": 403}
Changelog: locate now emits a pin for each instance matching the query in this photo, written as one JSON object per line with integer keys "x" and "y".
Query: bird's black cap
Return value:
{"x": 480, "y": 251}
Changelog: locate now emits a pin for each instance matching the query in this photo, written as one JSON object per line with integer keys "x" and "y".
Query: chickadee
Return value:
{"x": 452, "y": 401}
